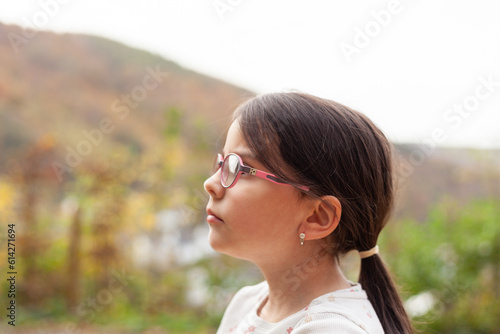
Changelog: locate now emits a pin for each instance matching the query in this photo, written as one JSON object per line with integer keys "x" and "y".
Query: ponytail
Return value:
{"x": 376, "y": 281}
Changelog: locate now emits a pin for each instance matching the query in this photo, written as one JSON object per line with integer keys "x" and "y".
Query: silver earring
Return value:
{"x": 302, "y": 237}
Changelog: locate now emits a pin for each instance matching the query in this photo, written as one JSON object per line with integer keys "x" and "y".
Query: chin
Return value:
{"x": 221, "y": 245}
{"x": 215, "y": 241}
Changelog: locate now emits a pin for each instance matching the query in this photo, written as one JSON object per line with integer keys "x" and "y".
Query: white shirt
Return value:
{"x": 341, "y": 311}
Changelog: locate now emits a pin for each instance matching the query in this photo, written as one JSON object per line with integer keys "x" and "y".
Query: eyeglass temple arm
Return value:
{"x": 270, "y": 177}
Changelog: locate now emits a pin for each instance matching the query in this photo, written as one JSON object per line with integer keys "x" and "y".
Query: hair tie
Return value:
{"x": 369, "y": 252}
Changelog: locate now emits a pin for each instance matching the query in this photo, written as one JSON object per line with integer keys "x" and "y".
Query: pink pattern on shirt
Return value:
{"x": 250, "y": 329}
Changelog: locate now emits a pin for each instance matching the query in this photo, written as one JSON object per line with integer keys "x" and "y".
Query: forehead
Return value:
{"x": 235, "y": 143}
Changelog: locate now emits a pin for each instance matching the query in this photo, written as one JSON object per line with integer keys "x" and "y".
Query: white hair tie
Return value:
{"x": 369, "y": 252}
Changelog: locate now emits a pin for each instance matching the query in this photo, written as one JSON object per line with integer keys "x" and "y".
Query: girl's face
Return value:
{"x": 256, "y": 220}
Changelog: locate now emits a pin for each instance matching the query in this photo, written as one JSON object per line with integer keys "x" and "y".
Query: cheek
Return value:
{"x": 265, "y": 214}
{"x": 258, "y": 220}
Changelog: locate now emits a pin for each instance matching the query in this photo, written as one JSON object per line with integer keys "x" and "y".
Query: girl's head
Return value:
{"x": 343, "y": 160}
{"x": 331, "y": 149}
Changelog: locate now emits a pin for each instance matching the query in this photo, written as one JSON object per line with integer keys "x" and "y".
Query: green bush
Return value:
{"x": 454, "y": 257}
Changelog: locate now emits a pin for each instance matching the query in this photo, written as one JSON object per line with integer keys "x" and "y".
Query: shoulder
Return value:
{"x": 330, "y": 323}
{"x": 343, "y": 311}
{"x": 243, "y": 304}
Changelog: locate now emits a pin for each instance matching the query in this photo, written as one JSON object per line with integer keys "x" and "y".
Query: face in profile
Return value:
{"x": 254, "y": 218}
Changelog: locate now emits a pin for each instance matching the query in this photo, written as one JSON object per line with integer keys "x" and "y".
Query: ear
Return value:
{"x": 323, "y": 219}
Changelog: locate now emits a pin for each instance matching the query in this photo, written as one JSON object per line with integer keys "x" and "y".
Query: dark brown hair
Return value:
{"x": 336, "y": 151}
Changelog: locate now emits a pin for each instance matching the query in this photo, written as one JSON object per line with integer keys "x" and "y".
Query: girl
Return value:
{"x": 302, "y": 180}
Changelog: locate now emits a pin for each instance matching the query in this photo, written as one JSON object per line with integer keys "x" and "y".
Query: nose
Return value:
{"x": 213, "y": 185}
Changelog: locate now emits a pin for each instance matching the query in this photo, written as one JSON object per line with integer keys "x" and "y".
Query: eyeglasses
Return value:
{"x": 232, "y": 167}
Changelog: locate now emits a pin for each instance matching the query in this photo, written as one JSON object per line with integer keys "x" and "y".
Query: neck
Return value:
{"x": 293, "y": 285}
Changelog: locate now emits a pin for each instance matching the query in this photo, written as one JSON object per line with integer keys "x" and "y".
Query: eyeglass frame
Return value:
{"x": 251, "y": 171}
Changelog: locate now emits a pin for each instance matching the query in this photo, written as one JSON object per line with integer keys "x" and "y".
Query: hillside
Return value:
{"x": 456, "y": 174}
{"x": 60, "y": 85}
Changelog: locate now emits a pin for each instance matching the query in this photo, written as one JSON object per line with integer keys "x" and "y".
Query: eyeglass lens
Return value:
{"x": 230, "y": 170}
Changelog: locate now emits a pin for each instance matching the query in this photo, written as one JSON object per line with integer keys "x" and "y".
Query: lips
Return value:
{"x": 213, "y": 218}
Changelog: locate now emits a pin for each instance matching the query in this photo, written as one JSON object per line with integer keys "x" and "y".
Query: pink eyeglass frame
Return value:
{"x": 254, "y": 172}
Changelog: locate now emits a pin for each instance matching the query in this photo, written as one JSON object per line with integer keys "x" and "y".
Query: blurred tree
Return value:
{"x": 35, "y": 179}
{"x": 173, "y": 126}
{"x": 73, "y": 275}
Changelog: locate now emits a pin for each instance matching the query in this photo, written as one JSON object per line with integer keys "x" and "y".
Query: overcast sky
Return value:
{"x": 424, "y": 71}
